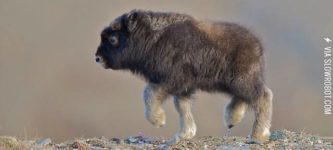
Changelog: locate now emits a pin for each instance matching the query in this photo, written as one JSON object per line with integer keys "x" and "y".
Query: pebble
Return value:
{"x": 232, "y": 147}
{"x": 132, "y": 140}
{"x": 115, "y": 140}
{"x": 44, "y": 141}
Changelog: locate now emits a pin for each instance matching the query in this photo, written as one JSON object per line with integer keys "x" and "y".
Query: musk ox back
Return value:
{"x": 178, "y": 55}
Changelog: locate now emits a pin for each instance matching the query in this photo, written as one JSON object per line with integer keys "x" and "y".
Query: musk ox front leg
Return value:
{"x": 234, "y": 111}
{"x": 187, "y": 128}
{"x": 153, "y": 97}
{"x": 263, "y": 116}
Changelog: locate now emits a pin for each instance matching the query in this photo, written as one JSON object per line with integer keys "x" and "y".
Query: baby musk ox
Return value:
{"x": 178, "y": 55}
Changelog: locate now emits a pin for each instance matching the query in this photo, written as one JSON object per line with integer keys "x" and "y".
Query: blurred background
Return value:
{"x": 50, "y": 85}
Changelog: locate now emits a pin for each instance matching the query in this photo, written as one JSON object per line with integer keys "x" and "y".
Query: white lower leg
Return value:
{"x": 153, "y": 98}
{"x": 187, "y": 129}
{"x": 234, "y": 112}
{"x": 263, "y": 113}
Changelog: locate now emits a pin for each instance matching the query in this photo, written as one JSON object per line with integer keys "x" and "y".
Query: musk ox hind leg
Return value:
{"x": 234, "y": 112}
{"x": 153, "y": 97}
{"x": 263, "y": 114}
{"x": 187, "y": 128}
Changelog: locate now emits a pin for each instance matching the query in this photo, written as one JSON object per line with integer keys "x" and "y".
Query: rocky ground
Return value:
{"x": 280, "y": 140}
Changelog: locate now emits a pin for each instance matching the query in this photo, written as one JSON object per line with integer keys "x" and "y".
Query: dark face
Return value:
{"x": 115, "y": 41}
{"x": 109, "y": 51}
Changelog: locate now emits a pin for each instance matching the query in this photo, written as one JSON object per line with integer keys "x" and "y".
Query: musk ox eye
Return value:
{"x": 113, "y": 40}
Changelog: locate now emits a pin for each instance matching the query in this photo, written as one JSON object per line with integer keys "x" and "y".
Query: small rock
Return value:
{"x": 276, "y": 135}
{"x": 79, "y": 145}
{"x": 141, "y": 142}
{"x": 44, "y": 141}
{"x": 231, "y": 147}
{"x": 115, "y": 140}
{"x": 319, "y": 141}
{"x": 131, "y": 140}
{"x": 97, "y": 142}
{"x": 60, "y": 146}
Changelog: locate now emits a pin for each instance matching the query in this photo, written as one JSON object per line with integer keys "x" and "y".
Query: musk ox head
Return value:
{"x": 126, "y": 41}
{"x": 120, "y": 40}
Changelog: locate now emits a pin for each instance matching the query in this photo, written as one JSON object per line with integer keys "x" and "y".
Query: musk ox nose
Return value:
{"x": 98, "y": 59}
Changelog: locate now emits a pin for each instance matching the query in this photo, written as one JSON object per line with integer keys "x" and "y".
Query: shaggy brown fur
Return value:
{"x": 178, "y": 55}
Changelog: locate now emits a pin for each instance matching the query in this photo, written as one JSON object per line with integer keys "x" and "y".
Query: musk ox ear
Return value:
{"x": 131, "y": 20}
{"x": 133, "y": 16}
{"x": 118, "y": 23}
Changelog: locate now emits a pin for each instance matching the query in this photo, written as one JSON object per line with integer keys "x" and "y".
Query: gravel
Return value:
{"x": 281, "y": 140}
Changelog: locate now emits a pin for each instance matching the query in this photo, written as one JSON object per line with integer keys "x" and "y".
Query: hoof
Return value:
{"x": 157, "y": 119}
{"x": 172, "y": 141}
{"x": 188, "y": 134}
{"x": 253, "y": 141}
{"x": 257, "y": 139}
{"x": 163, "y": 147}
